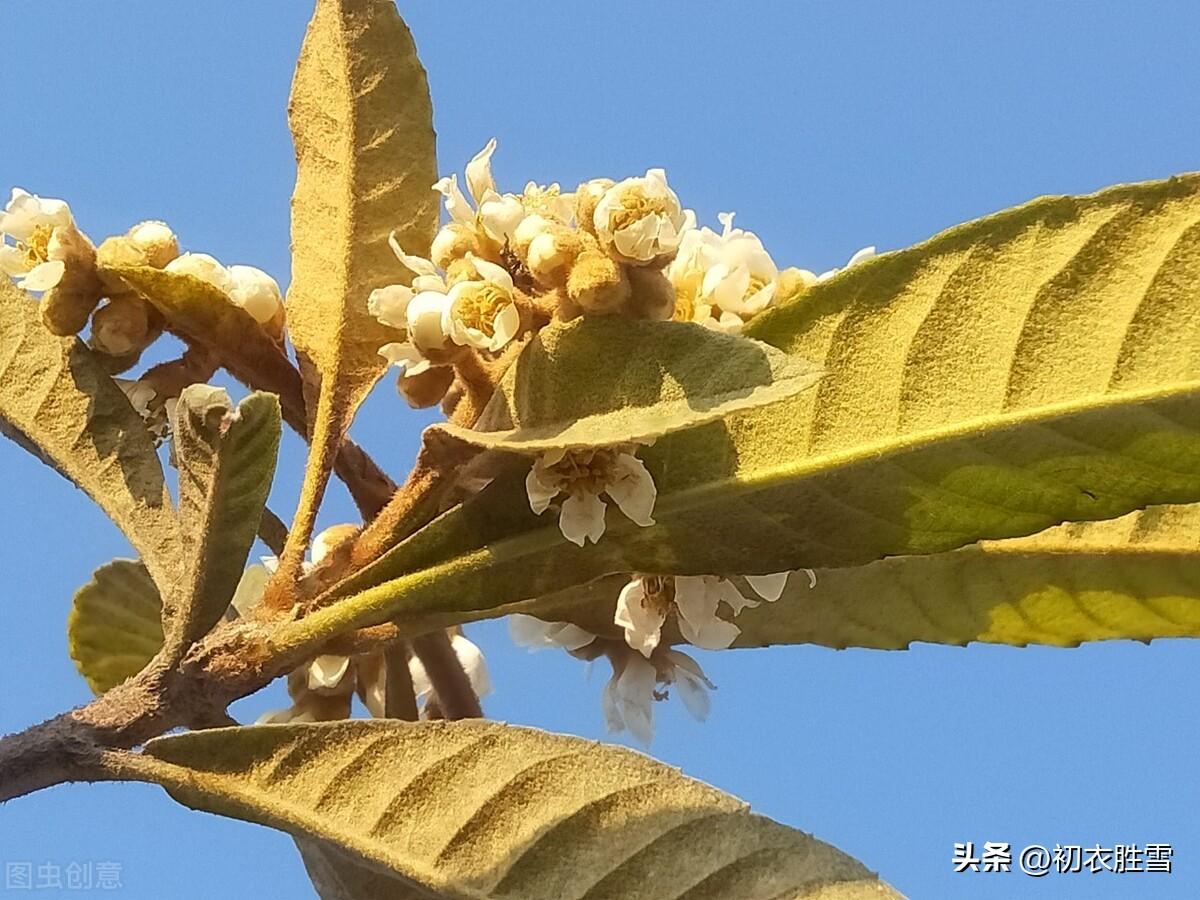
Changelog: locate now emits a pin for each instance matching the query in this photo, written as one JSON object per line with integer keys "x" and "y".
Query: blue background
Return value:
{"x": 827, "y": 126}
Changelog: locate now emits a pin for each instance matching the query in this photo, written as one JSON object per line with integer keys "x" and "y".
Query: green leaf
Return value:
{"x": 226, "y": 463}
{"x": 1136, "y": 577}
{"x": 115, "y": 626}
{"x": 362, "y": 122}
{"x": 482, "y": 810}
{"x": 643, "y": 380}
{"x": 202, "y": 314}
{"x": 1038, "y": 366}
{"x": 57, "y": 396}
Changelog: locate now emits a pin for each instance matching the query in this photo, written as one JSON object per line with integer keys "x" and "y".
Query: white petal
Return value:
{"x": 12, "y": 261}
{"x": 326, "y": 672}
{"x": 500, "y": 216}
{"x": 864, "y": 254}
{"x": 43, "y": 276}
{"x": 390, "y": 304}
{"x": 642, "y": 624}
{"x": 470, "y": 657}
{"x": 540, "y": 492}
{"x": 633, "y": 491}
{"x": 582, "y": 518}
{"x": 270, "y": 563}
{"x": 490, "y": 272}
{"x": 418, "y": 265}
{"x": 696, "y": 598}
{"x": 403, "y": 354}
{"x": 635, "y": 694}
{"x": 769, "y": 587}
{"x": 203, "y": 266}
{"x": 532, "y": 632}
{"x": 426, "y": 320}
{"x": 479, "y": 172}
{"x": 733, "y": 598}
{"x": 456, "y": 204}
{"x": 255, "y": 291}
{"x": 531, "y": 227}
{"x": 812, "y": 577}
{"x": 422, "y": 687}
{"x": 693, "y": 686}
{"x": 505, "y": 327}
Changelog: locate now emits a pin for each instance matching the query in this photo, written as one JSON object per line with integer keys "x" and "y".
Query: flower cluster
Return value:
{"x": 504, "y": 263}
{"x": 643, "y": 666}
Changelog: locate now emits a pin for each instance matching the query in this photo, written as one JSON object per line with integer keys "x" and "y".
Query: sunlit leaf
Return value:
{"x": 56, "y": 395}
{"x": 362, "y": 123}
{"x": 226, "y": 461}
{"x": 607, "y": 380}
{"x": 519, "y": 814}
{"x": 1034, "y": 367}
{"x": 115, "y": 626}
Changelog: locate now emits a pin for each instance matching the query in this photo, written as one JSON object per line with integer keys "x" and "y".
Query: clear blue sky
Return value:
{"x": 826, "y": 126}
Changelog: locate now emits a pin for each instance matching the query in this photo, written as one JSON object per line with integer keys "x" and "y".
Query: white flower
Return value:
{"x": 202, "y": 266}
{"x": 721, "y": 280}
{"x": 633, "y": 688}
{"x": 496, "y": 215}
{"x": 256, "y": 292}
{"x": 482, "y": 314}
{"x": 470, "y": 658}
{"x": 745, "y": 277}
{"x": 36, "y": 256}
{"x": 645, "y": 602}
{"x": 583, "y": 475}
{"x": 531, "y": 632}
{"x": 640, "y": 219}
{"x": 548, "y": 201}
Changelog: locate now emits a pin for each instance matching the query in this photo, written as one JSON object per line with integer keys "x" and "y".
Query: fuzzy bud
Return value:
{"x": 587, "y": 196}
{"x": 427, "y": 388}
{"x": 156, "y": 241}
{"x": 652, "y": 294}
{"x": 67, "y": 306}
{"x": 204, "y": 267}
{"x": 597, "y": 283}
{"x": 453, "y": 242}
{"x": 256, "y": 292}
{"x": 124, "y": 325}
{"x": 551, "y": 254}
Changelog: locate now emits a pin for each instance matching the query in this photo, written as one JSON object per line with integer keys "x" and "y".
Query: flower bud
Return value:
{"x": 587, "y": 196}
{"x": 652, "y": 296}
{"x": 67, "y": 305}
{"x": 156, "y": 241}
{"x": 427, "y": 388}
{"x": 453, "y": 241}
{"x": 204, "y": 267}
{"x": 597, "y": 283}
{"x": 124, "y": 325}
{"x": 256, "y": 292}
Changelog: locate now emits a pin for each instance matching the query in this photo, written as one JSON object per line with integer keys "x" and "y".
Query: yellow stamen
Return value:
{"x": 478, "y": 306}
{"x": 37, "y": 248}
{"x": 635, "y": 206}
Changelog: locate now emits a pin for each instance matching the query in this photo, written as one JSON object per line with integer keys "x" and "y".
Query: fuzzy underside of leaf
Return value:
{"x": 1037, "y": 366}
{"x": 481, "y": 810}
{"x": 362, "y": 124}
{"x": 226, "y": 465}
{"x": 115, "y": 626}
{"x": 608, "y": 380}
{"x": 59, "y": 398}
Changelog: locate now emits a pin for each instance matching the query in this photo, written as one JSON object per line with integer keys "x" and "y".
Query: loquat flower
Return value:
{"x": 583, "y": 475}
{"x": 640, "y": 220}
{"x": 645, "y": 602}
{"x": 37, "y": 227}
